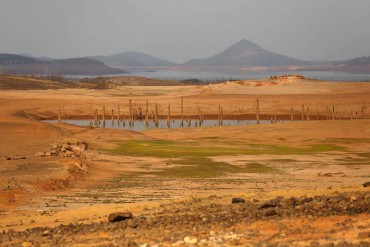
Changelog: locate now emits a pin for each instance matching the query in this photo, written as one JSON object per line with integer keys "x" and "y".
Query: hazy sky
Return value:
{"x": 181, "y": 30}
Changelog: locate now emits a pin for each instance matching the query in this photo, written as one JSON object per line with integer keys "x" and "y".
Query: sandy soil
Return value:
{"x": 48, "y": 191}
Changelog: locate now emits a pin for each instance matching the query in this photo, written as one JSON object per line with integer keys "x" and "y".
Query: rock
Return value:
{"x": 306, "y": 200}
{"x": 45, "y": 233}
{"x": 269, "y": 212}
{"x": 27, "y": 244}
{"x": 39, "y": 154}
{"x": 131, "y": 223}
{"x": 267, "y": 205}
{"x": 237, "y": 200}
{"x": 292, "y": 201}
{"x": 83, "y": 145}
{"x": 367, "y": 184}
{"x": 69, "y": 154}
{"x": 363, "y": 235}
{"x": 190, "y": 240}
{"x": 48, "y": 154}
{"x": 119, "y": 216}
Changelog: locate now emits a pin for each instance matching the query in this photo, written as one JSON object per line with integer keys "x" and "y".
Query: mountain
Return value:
{"x": 17, "y": 64}
{"x": 355, "y": 65}
{"x": 245, "y": 53}
{"x": 133, "y": 59}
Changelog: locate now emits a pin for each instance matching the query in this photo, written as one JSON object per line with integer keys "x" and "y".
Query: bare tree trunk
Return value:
{"x": 182, "y": 111}
{"x": 96, "y": 118}
{"x": 308, "y": 113}
{"x": 112, "y": 118}
{"x": 222, "y": 116}
{"x": 327, "y": 113}
{"x": 156, "y": 116}
{"x": 333, "y": 113}
{"x": 104, "y": 116}
{"x": 291, "y": 115}
{"x": 169, "y": 117}
{"x": 258, "y": 111}
{"x": 147, "y": 115}
{"x": 59, "y": 116}
{"x": 118, "y": 115}
{"x": 200, "y": 116}
{"x": 302, "y": 112}
{"x": 219, "y": 115}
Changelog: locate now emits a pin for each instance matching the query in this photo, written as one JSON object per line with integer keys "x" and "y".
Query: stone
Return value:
{"x": 83, "y": 144}
{"x": 367, "y": 184}
{"x": 131, "y": 223}
{"x": 237, "y": 200}
{"x": 190, "y": 240}
{"x": 269, "y": 212}
{"x": 68, "y": 154}
{"x": 267, "y": 205}
{"x": 45, "y": 233}
{"x": 19, "y": 157}
{"x": 39, "y": 154}
{"x": 119, "y": 216}
{"x": 27, "y": 244}
{"x": 292, "y": 201}
{"x": 47, "y": 154}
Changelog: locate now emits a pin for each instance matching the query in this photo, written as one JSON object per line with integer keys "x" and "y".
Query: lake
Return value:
{"x": 240, "y": 75}
{"x": 140, "y": 125}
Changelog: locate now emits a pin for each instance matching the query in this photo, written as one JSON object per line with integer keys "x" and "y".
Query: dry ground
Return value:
{"x": 139, "y": 170}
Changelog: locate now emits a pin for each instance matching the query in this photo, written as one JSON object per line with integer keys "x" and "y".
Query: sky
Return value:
{"x": 181, "y": 30}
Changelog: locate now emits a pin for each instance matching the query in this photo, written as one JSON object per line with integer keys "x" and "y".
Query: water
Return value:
{"x": 209, "y": 76}
{"x": 240, "y": 75}
{"x": 139, "y": 125}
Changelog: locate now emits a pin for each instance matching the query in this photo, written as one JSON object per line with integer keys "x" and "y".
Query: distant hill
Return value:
{"x": 17, "y": 64}
{"x": 355, "y": 65}
{"x": 246, "y": 54}
{"x": 133, "y": 59}
{"x": 358, "y": 61}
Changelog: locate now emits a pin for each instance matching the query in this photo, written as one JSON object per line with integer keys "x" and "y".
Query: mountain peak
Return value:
{"x": 245, "y": 44}
{"x": 245, "y": 53}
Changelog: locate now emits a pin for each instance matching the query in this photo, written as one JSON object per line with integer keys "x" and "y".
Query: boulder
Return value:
{"x": 119, "y": 216}
{"x": 237, "y": 200}
{"x": 39, "y": 154}
{"x": 367, "y": 184}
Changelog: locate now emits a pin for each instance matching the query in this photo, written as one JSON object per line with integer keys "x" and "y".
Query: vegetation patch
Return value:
{"x": 193, "y": 158}
{"x": 172, "y": 149}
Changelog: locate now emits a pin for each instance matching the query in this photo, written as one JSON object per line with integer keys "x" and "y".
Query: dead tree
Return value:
{"x": 258, "y": 111}
{"x": 182, "y": 111}
{"x": 103, "y": 116}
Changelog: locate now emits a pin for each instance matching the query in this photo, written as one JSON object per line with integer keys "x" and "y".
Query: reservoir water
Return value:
{"x": 140, "y": 125}
{"x": 210, "y": 76}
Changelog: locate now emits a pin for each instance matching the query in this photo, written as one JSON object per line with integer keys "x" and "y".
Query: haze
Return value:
{"x": 182, "y": 30}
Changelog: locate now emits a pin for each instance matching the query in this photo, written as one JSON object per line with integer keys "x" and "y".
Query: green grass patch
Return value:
{"x": 193, "y": 158}
{"x": 361, "y": 159}
{"x": 172, "y": 149}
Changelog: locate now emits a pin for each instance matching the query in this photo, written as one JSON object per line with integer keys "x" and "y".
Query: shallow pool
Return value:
{"x": 162, "y": 123}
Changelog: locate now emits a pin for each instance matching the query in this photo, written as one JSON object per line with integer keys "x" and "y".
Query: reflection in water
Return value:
{"x": 162, "y": 123}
